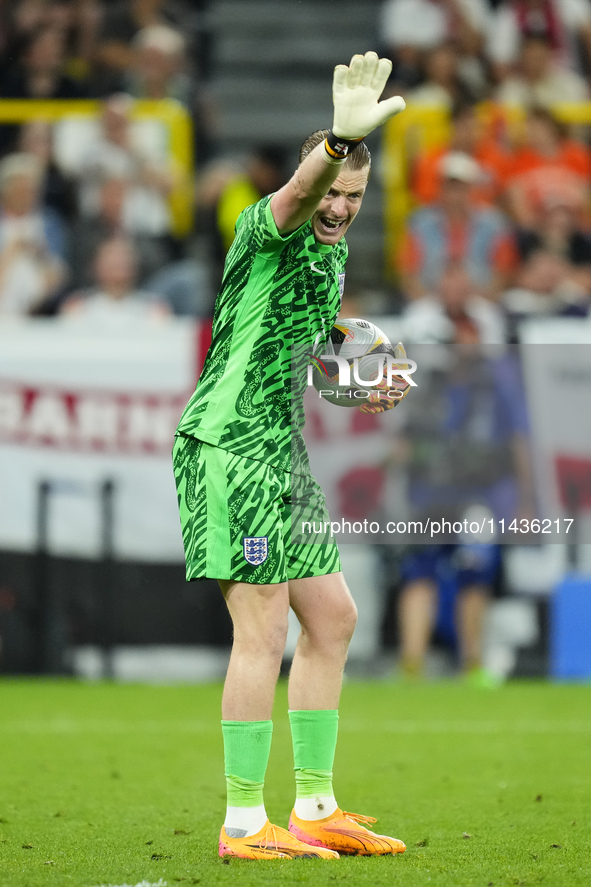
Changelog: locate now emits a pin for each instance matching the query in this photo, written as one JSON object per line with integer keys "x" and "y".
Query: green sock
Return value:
{"x": 314, "y": 736}
{"x": 246, "y": 753}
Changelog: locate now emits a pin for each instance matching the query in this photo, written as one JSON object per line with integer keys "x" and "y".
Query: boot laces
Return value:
{"x": 358, "y": 817}
{"x": 272, "y": 836}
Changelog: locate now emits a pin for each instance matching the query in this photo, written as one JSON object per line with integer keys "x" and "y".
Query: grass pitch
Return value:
{"x": 119, "y": 785}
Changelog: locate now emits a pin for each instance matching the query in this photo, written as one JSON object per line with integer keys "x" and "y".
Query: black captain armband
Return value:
{"x": 338, "y": 149}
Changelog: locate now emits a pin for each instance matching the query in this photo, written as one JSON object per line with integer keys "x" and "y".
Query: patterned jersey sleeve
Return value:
{"x": 257, "y": 226}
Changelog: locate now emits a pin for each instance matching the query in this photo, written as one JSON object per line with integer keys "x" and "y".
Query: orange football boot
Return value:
{"x": 344, "y": 832}
{"x": 272, "y": 842}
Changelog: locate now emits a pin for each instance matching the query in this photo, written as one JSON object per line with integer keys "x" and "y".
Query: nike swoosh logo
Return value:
{"x": 317, "y": 270}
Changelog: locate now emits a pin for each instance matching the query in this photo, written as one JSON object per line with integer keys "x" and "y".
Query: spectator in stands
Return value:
{"x": 453, "y": 312}
{"x": 124, "y": 19}
{"x": 115, "y": 299}
{"x": 442, "y": 86}
{"x": 411, "y": 27}
{"x": 455, "y": 229}
{"x": 537, "y": 82}
{"x": 59, "y": 191}
{"x": 32, "y": 242}
{"x": 564, "y": 24}
{"x": 78, "y": 20}
{"x": 265, "y": 171}
{"x": 227, "y": 188}
{"x": 560, "y": 230}
{"x": 548, "y": 164}
{"x": 114, "y": 218}
{"x": 547, "y": 284}
{"x": 120, "y": 148}
{"x": 39, "y": 73}
{"x": 158, "y": 67}
{"x": 470, "y": 136}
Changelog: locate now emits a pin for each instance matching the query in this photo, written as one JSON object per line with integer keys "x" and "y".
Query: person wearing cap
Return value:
{"x": 455, "y": 228}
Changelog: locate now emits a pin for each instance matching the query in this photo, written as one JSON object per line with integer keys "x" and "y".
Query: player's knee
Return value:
{"x": 269, "y": 633}
{"x": 338, "y": 628}
{"x": 274, "y": 639}
{"x": 348, "y": 619}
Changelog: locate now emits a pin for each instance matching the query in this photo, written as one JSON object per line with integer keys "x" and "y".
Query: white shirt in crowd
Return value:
{"x": 424, "y": 23}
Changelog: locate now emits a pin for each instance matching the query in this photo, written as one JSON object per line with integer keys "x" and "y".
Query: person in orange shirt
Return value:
{"x": 549, "y": 165}
{"x": 468, "y": 137}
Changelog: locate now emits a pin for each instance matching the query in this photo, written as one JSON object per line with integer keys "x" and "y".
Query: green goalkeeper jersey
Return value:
{"x": 279, "y": 298}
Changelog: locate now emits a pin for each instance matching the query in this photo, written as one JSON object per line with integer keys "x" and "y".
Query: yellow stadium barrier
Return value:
{"x": 169, "y": 112}
{"x": 420, "y": 128}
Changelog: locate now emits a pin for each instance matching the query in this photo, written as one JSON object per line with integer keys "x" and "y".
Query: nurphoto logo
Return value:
{"x": 336, "y": 371}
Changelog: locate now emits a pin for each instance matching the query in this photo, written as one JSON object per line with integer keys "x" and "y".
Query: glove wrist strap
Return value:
{"x": 338, "y": 149}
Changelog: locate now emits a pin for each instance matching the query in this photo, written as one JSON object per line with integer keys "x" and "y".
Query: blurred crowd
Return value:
{"x": 86, "y": 227}
{"x": 499, "y": 227}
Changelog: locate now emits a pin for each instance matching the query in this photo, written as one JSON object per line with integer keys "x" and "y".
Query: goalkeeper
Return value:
{"x": 281, "y": 291}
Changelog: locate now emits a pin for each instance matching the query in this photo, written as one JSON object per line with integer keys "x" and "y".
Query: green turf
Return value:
{"x": 106, "y": 784}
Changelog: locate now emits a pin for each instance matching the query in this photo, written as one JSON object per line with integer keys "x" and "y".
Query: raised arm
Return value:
{"x": 355, "y": 93}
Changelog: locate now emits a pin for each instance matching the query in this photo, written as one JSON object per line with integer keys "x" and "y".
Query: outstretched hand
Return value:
{"x": 356, "y": 90}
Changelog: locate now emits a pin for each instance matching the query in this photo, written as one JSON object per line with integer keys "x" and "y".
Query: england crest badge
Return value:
{"x": 256, "y": 549}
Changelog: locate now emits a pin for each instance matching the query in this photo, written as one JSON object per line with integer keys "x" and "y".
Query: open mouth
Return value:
{"x": 331, "y": 226}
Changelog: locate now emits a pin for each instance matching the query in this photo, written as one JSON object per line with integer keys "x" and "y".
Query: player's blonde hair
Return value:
{"x": 359, "y": 158}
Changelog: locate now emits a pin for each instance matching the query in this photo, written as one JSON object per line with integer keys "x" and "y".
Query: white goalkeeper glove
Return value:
{"x": 355, "y": 93}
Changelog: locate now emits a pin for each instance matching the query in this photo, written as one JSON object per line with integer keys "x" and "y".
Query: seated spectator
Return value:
{"x": 32, "y": 242}
{"x": 537, "y": 82}
{"x": 564, "y": 24}
{"x": 123, "y": 20}
{"x": 77, "y": 20}
{"x": 114, "y": 217}
{"x": 548, "y": 164}
{"x": 456, "y": 229}
{"x": 59, "y": 191}
{"x": 443, "y": 85}
{"x": 114, "y": 299}
{"x": 117, "y": 147}
{"x": 453, "y": 313}
{"x": 39, "y": 73}
{"x": 411, "y": 27}
{"x": 470, "y": 137}
{"x": 158, "y": 67}
{"x": 559, "y": 230}
{"x": 547, "y": 284}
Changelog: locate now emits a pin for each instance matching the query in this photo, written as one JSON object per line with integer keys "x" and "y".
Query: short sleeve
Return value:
{"x": 257, "y": 225}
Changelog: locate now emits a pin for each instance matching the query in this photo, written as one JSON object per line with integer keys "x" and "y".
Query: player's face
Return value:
{"x": 340, "y": 206}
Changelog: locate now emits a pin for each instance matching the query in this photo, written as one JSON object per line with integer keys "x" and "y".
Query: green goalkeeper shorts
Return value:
{"x": 246, "y": 520}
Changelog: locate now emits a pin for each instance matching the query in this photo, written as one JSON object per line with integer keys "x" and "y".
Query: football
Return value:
{"x": 362, "y": 345}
